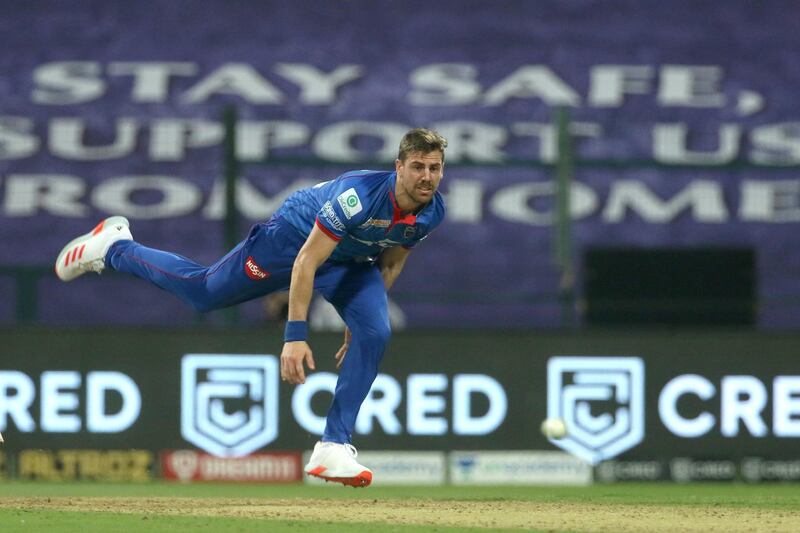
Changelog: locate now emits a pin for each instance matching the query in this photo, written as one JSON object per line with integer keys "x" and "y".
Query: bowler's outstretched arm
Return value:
{"x": 317, "y": 248}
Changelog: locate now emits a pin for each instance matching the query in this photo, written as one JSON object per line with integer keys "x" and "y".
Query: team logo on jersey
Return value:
{"x": 350, "y": 202}
{"x": 254, "y": 271}
{"x": 409, "y": 232}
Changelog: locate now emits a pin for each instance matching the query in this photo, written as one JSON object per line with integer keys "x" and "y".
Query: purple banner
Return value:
{"x": 103, "y": 111}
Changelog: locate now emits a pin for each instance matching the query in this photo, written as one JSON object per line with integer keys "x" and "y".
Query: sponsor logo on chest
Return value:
{"x": 376, "y": 223}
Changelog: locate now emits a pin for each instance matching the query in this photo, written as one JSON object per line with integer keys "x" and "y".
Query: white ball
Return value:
{"x": 554, "y": 428}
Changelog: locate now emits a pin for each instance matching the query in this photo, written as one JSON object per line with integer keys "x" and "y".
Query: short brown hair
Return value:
{"x": 421, "y": 140}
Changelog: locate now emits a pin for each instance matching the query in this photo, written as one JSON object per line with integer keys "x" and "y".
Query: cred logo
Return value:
{"x": 254, "y": 271}
{"x": 601, "y": 399}
{"x": 229, "y": 403}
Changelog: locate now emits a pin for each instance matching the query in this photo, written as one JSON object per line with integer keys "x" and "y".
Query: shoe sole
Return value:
{"x": 85, "y": 237}
{"x": 361, "y": 480}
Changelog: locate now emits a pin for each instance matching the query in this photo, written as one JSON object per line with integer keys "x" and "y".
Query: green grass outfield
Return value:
{"x": 38, "y": 506}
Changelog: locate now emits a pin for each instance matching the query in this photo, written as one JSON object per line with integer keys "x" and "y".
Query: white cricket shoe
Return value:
{"x": 336, "y": 462}
{"x": 87, "y": 253}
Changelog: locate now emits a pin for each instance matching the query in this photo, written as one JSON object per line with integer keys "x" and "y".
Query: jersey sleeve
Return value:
{"x": 343, "y": 209}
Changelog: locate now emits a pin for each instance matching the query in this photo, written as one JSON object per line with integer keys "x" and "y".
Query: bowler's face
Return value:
{"x": 419, "y": 175}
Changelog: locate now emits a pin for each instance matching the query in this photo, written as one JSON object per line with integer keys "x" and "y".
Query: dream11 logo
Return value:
{"x": 229, "y": 403}
{"x": 601, "y": 400}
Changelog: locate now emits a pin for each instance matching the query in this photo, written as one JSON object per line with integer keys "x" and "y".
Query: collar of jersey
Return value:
{"x": 397, "y": 214}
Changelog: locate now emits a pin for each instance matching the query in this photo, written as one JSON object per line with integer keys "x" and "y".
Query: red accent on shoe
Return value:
{"x": 318, "y": 470}
{"x": 74, "y": 255}
{"x": 97, "y": 229}
{"x": 80, "y": 252}
{"x": 361, "y": 480}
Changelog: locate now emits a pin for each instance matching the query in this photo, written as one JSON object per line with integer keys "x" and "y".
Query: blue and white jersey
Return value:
{"x": 359, "y": 210}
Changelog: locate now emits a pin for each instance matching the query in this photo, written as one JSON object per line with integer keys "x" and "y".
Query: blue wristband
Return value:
{"x": 296, "y": 330}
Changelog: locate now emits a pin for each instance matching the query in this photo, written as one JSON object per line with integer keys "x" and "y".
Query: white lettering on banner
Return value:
{"x": 742, "y": 403}
{"x": 27, "y": 195}
{"x": 440, "y": 84}
{"x": 67, "y": 134}
{"x": 518, "y": 468}
{"x": 770, "y": 201}
{"x": 151, "y": 79}
{"x": 189, "y": 465}
{"x": 610, "y": 83}
{"x": 59, "y": 401}
{"x": 335, "y": 142}
{"x": 57, "y": 194}
{"x": 444, "y": 84}
{"x": 75, "y": 82}
{"x": 301, "y": 400}
{"x": 237, "y": 79}
{"x": 775, "y": 143}
{"x": 16, "y": 138}
{"x": 532, "y": 81}
{"x": 757, "y": 469}
{"x": 58, "y": 412}
{"x": 426, "y": 403}
{"x": 67, "y": 82}
{"x": 693, "y": 86}
{"x": 547, "y": 136}
{"x": 317, "y": 87}
{"x": 670, "y": 145}
{"x": 786, "y": 406}
{"x": 98, "y": 384}
{"x": 425, "y": 408}
{"x": 745, "y": 397}
{"x": 251, "y": 202}
{"x": 381, "y": 406}
{"x": 170, "y": 138}
{"x": 684, "y": 470}
{"x": 464, "y": 386}
{"x": 668, "y": 405}
{"x": 473, "y": 140}
{"x": 178, "y": 197}
{"x": 17, "y": 392}
{"x": 705, "y": 198}
{"x": 167, "y": 139}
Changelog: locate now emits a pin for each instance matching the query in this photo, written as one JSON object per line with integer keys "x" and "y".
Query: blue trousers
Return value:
{"x": 355, "y": 289}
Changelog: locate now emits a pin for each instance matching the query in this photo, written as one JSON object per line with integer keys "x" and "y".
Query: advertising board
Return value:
{"x": 691, "y": 396}
{"x": 267, "y": 467}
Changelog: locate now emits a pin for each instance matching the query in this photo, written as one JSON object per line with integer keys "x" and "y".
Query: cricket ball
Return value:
{"x": 554, "y": 428}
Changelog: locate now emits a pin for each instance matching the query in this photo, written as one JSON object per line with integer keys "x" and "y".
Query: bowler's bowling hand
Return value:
{"x": 343, "y": 350}
{"x": 292, "y": 357}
